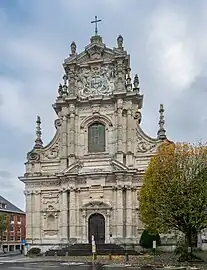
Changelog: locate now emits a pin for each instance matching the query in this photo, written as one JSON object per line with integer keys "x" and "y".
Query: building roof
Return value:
{"x": 9, "y": 207}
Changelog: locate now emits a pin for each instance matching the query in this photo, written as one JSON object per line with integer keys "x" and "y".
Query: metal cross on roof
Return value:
{"x": 96, "y": 25}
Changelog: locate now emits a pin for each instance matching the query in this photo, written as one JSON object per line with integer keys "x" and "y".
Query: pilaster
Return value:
{"x": 72, "y": 221}
{"x": 129, "y": 199}
{"x": 84, "y": 232}
{"x": 107, "y": 232}
{"x": 119, "y": 131}
{"x": 119, "y": 207}
{"x": 64, "y": 142}
{"x": 129, "y": 160}
{"x": 72, "y": 142}
{"x": 64, "y": 215}
{"x": 37, "y": 215}
{"x": 29, "y": 216}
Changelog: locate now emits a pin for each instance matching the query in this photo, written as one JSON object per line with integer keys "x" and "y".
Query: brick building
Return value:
{"x": 16, "y": 228}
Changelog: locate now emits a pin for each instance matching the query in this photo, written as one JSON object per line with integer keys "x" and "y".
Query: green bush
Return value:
{"x": 147, "y": 238}
{"x": 34, "y": 251}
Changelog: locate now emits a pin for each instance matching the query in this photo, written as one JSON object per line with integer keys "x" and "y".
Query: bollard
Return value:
{"x": 126, "y": 257}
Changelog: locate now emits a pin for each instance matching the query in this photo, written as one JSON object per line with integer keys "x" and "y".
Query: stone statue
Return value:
{"x": 120, "y": 42}
{"x": 73, "y": 48}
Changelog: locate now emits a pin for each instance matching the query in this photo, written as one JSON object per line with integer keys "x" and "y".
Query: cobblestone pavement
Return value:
{"x": 77, "y": 262}
{"x": 58, "y": 266}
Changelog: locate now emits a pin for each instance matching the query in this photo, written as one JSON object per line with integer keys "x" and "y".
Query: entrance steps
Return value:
{"x": 86, "y": 250}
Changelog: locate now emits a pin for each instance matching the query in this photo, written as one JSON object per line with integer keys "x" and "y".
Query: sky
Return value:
{"x": 167, "y": 42}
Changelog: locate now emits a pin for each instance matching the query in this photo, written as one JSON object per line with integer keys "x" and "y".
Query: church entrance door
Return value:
{"x": 96, "y": 227}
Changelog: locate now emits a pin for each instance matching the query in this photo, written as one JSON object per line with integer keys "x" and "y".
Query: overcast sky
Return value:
{"x": 167, "y": 42}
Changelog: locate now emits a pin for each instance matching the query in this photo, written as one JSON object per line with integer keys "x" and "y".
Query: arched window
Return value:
{"x": 96, "y": 138}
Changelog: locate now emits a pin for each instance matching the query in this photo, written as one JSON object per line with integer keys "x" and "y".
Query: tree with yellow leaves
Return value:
{"x": 174, "y": 192}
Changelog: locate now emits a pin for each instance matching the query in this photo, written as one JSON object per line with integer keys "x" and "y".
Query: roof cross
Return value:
{"x": 96, "y": 21}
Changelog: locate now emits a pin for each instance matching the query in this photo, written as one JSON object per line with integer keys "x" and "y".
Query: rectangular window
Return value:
{"x": 11, "y": 227}
{"x": 11, "y": 218}
{"x": 11, "y": 237}
{"x": 19, "y": 218}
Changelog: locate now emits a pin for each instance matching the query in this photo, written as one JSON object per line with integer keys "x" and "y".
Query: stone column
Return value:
{"x": 78, "y": 233}
{"x": 64, "y": 148}
{"x": 72, "y": 221}
{"x": 114, "y": 213}
{"x": 37, "y": 215}
{"x": 107, "y": 238}
{"x": 129, "y": 130}
{"x": 129, "y": 137}
{"x": 119, "y": 130}
{"x": 129, "y": 198}
{"x": 84, "y": 233}
{"x": 64, "y": 216}
{"x": 119, "y": 217}
{"x": 29, "y": 220}
{"x": 72, "y": 134}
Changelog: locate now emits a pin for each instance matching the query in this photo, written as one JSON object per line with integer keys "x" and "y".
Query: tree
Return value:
{"x": 173, "y": 196}
{"x": 3, "y": 226}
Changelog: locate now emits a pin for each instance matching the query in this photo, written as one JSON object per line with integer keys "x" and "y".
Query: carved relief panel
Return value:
{"x": 95, "y": 80}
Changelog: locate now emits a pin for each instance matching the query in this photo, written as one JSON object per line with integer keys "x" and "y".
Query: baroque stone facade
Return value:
{"x": 86, "y": 180}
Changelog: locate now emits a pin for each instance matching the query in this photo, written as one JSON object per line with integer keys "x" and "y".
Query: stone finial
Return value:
{"x": 161, "y": 132}
{"x": 73, "y": 48}
{"x": 136, "y": 82}
{"x": 38, "y": 141}
{"x": 120, "y": 42}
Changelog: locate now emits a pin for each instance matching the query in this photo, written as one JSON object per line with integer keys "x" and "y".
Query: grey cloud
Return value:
{"x": 5, "y": 174}
{"x": 1, "y": 100}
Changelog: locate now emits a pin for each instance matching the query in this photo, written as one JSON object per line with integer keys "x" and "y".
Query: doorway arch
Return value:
{"x": 96, "y": 227}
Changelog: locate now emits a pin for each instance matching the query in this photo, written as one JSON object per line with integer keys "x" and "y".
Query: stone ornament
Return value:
{"x": 95, "y": 81}
{"x": 73, "y": 48}
{"x": 53, "y": 153}
{"x": 120, "y": 42}
{"x": 57, "y": 123}
{"x": 144, "y": 146}
{"x": 33, "y": 156}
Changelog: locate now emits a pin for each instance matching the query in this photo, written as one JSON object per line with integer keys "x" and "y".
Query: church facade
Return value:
{"x": 86, "y": 180}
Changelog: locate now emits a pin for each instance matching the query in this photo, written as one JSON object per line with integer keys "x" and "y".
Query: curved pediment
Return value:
{"x": 50, "y": 151}
{"x": 145, "y": 143}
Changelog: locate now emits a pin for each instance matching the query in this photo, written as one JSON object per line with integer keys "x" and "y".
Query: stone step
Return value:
{"x": 86, "y": 250}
